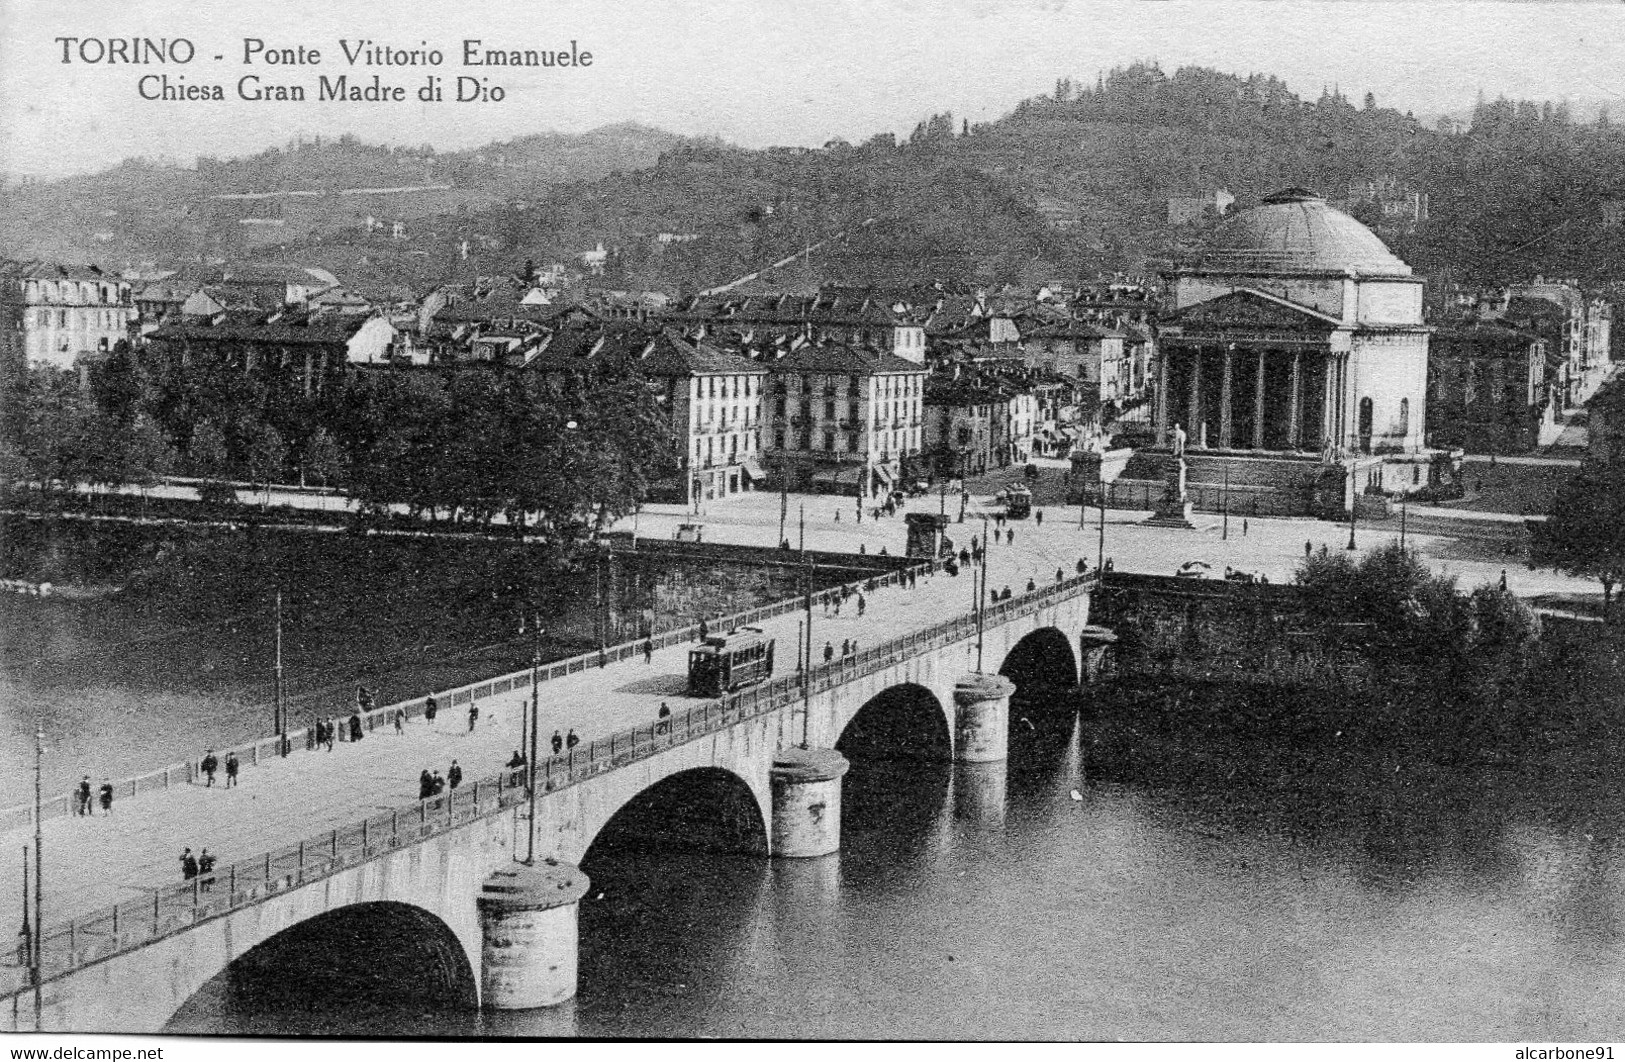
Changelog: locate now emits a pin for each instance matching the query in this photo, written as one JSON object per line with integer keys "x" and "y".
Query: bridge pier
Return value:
{"x": 982, "y": 718}
{"x": 807, "y": 802}
{"x": 979, "y": 792}
{"x": 530, "y": 935}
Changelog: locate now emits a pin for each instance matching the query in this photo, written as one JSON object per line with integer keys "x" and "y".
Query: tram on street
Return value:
{"x": 725, "y": 663}
{"x": 1018, "y": 503}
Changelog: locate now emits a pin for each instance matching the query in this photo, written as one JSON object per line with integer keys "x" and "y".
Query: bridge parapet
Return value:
{"x": 172, "y": 909}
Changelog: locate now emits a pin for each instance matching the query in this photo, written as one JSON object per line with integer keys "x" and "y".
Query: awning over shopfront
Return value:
{"x": 753, "y": 469}
{"x": 885, "y": 474}
{"x": 829, "y": 479}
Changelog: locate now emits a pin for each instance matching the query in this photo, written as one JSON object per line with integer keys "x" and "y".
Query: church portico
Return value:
{"x": 1272, "y": 393}
{"x": 1296, "y": 342}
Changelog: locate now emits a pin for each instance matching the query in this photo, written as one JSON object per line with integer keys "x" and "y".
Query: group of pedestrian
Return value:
{"x": 199, "y": 867}
{"x": 210, "y": 765}
{"x": 82, "y": 796}
{"x": 431, "y": 784}
{"x": 849, "y": 647}
{"x": 327, "y": 730}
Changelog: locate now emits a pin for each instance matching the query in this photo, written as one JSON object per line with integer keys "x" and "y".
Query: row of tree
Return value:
{"x": 559, "y": 455}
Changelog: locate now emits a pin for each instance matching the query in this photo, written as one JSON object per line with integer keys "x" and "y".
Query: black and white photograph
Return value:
{"x": 1046, "y": 522}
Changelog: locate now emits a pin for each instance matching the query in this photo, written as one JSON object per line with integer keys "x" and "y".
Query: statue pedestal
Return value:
{"x": 1174, "y": 510}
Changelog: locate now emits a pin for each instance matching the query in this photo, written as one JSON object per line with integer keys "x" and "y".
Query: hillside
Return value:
{"x": 1079, "y": 181}
{"x": 1068, "y": 183}
{"x": 140, "y": 211}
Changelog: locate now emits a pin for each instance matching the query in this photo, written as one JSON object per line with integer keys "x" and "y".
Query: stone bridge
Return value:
{"x": 489, "y": 889}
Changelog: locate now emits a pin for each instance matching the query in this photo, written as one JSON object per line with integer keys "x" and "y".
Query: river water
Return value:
{"x": 1073, "y": 894}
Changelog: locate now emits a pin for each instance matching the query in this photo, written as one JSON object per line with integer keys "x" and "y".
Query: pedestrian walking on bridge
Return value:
{"x": 862, "y": 604}
{"x": 400, "y": 720}
{"x": 454, "y": 775}
{"x": 558, "y": 743}
{"x": 107, "y": 797}
{"x": 205, "y": 870}
{"x": 829, "y": 652}
{"x": 232, "y": 766}
{"x": 1038, "y": 517}
{"x": 211, "y": 763}
{"x": 430, "y": 707}
{"x": 425, "y": 785}
{"x": 649, "y": 651}
{"x": 82, "y": 806}
{"x": 571, "y": 741}
{"x": 188, "y": 865}
{"x": 473, "y": 713}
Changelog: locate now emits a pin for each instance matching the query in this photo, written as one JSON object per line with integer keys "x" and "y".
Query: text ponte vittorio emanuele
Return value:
{"x": 272, "y": 86}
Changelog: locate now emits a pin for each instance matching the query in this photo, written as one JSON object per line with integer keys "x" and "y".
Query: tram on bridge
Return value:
{"x": 725, "y": 663}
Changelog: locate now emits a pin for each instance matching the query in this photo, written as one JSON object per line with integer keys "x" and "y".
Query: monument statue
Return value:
{"x": 1174, "y": 509}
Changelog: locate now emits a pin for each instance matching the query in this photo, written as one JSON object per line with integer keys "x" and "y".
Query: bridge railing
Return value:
{"x": 173, "y": 908}
{"x": 252, "y": 753}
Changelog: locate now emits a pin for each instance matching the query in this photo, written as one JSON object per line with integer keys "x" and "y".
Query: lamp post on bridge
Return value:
{"x": 37, "y": 950}
{"x": 280, "y": 710}
{"x": 531, "y": 723}
{"x": 981, "y": 596}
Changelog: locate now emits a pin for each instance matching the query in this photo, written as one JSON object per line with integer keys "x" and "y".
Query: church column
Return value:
{"x": 1258, "y": 404}
{"x": 1226, "y": 393}
{"x": 1294, "y": 417}
{"x": 1328, "y": 402}
{"x": 1192, "y": 426}
{"x": 1163, "y": 397}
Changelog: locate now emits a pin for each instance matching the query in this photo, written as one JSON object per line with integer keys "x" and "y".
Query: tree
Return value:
{"x": 207, "y": 458}
{"x": 266, "y": 455}
{"x": 1585, "y": 533}
{"x": 321, "y": 459}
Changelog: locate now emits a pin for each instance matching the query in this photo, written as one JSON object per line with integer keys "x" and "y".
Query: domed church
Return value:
{"x": 1296, "y": 336}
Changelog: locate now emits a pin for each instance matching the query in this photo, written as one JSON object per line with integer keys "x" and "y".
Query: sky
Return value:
{"x": 755, "y": 72}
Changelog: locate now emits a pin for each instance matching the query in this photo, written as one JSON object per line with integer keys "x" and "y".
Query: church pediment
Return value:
{"x": 1251, "y": 311}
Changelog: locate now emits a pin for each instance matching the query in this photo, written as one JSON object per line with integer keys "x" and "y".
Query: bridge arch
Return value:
{"x": 1044, "y": 668}
{"x": 1042, "y": 660}
{"x": 331, "y": 969}
{"x": 906, "y": 721}
{"x": 708, "y": 809}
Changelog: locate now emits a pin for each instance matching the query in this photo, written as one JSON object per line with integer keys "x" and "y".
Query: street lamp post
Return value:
{"x": 1353, "y": 503}
{"x": 1100, "y": 558}
{"x": 1224, "y": 535}
{"x": 531, "y": 725}
{"x": 981, "y": 598}
{"x": 1404, "y": 500}
{"x": 37, "y": 952}
{"x": 806, "y": 600}
{"x": 280, "y": 712}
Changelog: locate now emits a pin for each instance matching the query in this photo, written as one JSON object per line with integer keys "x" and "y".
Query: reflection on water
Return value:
{"x": 1075, "y": 894}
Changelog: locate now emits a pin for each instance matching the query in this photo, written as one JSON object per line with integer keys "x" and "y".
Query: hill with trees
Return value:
{"x": 1068, "y": 183}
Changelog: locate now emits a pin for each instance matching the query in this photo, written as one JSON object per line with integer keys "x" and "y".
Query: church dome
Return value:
{"x": 1295, "y": 231}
